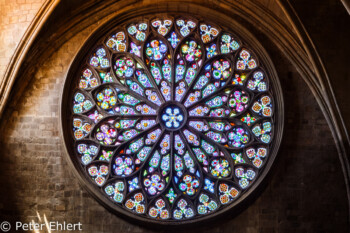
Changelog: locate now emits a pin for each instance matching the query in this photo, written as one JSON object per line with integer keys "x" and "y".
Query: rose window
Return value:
{"x": 171, "y": 119}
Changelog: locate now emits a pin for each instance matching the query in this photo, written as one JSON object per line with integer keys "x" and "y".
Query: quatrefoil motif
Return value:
{"x": 106, "y": 134}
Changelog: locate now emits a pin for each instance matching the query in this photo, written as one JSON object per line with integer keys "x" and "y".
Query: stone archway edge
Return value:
{"x": 22, "y": 49}
{"x": 324, "y": 93}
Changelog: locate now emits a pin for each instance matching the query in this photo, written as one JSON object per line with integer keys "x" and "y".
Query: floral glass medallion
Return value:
{"x": 172, "y": 117}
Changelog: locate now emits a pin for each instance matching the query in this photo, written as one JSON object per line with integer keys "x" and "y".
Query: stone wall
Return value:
{"x": 15, "y": 17}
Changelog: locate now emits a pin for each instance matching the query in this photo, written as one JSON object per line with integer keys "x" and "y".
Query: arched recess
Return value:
{"x": 47, "y": 33}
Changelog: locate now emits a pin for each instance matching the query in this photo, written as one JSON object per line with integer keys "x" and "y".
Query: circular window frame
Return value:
{"x": 99, "y": 36}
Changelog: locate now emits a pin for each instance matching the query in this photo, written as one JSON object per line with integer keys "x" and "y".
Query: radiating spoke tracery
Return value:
{"x": 172, "y": 118}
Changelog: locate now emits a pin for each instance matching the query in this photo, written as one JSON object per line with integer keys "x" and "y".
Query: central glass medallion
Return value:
{"x": 173, "y": 116}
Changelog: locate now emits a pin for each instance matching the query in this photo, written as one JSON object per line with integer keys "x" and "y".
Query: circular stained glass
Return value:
{"x": 172, "y": 116}
{"x": 171, "y": 119}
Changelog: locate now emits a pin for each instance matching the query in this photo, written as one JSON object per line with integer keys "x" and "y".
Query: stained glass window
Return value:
{"x": 171, "y": 119}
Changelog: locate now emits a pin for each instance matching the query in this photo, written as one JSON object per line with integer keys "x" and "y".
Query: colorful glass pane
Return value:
{"x": 138, "y": 31}
{"x": 81, "y": 104}
{"x": 117, "y": 42}
{"x": 116, "y": 191}
{"x": 245, "y": 61}
{"x": 87, "y": 80}
{"x": 99, "y": 59}
{"x": 228, "y": 44}
{"x": 185, "y": 26}
{"x": 162, "y": 26}
{"x": 208, "y": 33}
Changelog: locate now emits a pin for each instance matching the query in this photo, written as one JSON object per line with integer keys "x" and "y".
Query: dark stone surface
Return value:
{"x": 327, "y": 23}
